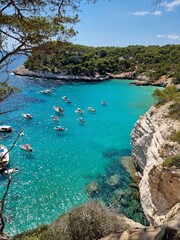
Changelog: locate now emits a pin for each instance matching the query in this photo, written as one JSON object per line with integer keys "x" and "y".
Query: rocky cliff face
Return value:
{"x": 159, "y": 186}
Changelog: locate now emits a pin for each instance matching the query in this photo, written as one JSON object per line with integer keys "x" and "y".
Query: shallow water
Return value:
{"x": 53, "y": 178}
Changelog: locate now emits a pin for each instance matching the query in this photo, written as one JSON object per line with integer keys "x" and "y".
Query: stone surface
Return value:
{"x": 150, "y": 145}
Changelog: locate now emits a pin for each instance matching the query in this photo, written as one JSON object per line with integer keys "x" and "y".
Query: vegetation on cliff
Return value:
{"x": 151, "y": 61}
{"x": 91, "y": 221}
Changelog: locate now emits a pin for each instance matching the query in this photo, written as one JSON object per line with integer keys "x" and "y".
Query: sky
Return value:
{"x": 129, "y": 22}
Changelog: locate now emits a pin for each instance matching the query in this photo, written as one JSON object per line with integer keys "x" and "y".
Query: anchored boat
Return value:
{"x": 4, "y": 157}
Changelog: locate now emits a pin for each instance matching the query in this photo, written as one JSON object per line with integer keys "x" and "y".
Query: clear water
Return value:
{"x": 53, "y": 178}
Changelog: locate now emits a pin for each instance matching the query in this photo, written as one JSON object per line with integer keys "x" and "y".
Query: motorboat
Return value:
{"x": 26, "y": 147}
{"x": 78, "y": 110}
{"x": 103, "y": 102}
{"x": 11, "y": 170}
{"x": 5, "y": 129}
{"x": 55, "y": 118}
{"x": 46, "y": 91}
{"x": 58, "y": 109}
{"x": 81, "y": 120}
{"x": 66, "y": 100}
{"x": 4, "y": 157}
{"x": 59, "y": 128}
{"x": 90, "y": 109}
{"x": 27, "y": 115}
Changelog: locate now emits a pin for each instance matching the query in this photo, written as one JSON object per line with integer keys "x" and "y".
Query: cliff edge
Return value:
{"x": 151, "y": 145}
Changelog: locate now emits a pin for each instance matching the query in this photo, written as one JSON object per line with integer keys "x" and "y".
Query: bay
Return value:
{"x": 53, "y": 178}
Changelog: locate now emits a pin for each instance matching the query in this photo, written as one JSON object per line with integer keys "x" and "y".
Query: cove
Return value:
{"x": 54, "y": 177}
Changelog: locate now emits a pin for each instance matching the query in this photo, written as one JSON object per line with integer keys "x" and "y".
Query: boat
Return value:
{"x": 64, "y": 98}
{"x": 58, "y": 109}
{"x": 4, "y": 157}
{"x": 26, "y": 147}
{"x": 78, "y": 110}
{"x": 55, "y": 118}
{"x": 27, "y": 115}
{"x": 90, "y": 109}
{"x": 46, "y": 91}
{"x": 59, "y": 128}
{"x": 11, "y": 170}
{"x": 81, "y": 120}
{"x": 5, "y": 129}
{"x": 103, "y": 102}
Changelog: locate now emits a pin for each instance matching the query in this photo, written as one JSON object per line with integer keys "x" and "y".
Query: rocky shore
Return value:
{"x": 151, "y": 144}
{"x": 139, "y": 80}
{"x": 22, "y": 71}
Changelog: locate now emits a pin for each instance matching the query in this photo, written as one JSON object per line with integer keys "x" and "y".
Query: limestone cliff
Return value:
{"x": 159, "y": 186}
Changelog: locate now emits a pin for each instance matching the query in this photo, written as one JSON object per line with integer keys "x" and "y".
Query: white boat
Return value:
{"x": 59, "y": 128}
{"x": 78, "y": 110}
{"x": 103, "y": 102}
{"x": 66, "y": 100}
{"x": 46, "y": 91}
{"x": 27, "y": 115}
{"x": 58, "y": 109}
{"x": 55, "y": 118}
{"x": 26, "y": 147}
{"x": 90, "y": 109}
{"x": 81, "y": 120}
{"x": 4, "y": 157}
{"x": 5, "y": 129}
{"x": 11, "y": 170}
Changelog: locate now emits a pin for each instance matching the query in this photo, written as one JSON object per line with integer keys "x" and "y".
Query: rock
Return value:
{"x": 150, "y": 145}
{"x": 114, "y": 180}
{"x": 92, "y": 188}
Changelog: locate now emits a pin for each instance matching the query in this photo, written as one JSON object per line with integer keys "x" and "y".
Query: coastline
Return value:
{"x": 139, "y": 80}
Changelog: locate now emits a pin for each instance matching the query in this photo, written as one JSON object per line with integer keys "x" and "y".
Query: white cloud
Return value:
{"x": 169, "y": 36}
{"x": 143, "y": 13}
{"x": 157, "y": 13}
{"x": 172, "y": 5}
{"x": 161, "y": 36}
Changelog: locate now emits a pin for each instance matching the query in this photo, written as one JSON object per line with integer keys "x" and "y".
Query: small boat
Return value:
{"x": 103, "y": 102}
{"x": 59, "y": 128}
{"x": 78, "y": 110}
{"x": 55, "y": 118}
{"x": 46, "y": 91}
{"x": 58, "y": 109}
{"x": 11, "y": 170}
{"x": 27, "y": 115}
{"x": 26, "y": 147}
{"x": 5, "y": 129}
{"x": 64, "y": 98}
{"x": 90, "y": 109}
{"x": 4, "y": 157}
{"x": 81, "y": 120}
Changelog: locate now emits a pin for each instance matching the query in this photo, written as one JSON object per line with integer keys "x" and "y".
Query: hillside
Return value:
{"x": 136, "y": 62}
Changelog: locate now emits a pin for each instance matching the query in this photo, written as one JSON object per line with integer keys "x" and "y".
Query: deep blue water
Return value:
{"x": 53, "y": 179}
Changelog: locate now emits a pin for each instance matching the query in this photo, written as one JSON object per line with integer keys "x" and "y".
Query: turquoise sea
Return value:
{"x": 53, "y": 178}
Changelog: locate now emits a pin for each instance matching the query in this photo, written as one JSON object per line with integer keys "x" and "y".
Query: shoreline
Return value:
{"x": 137, "y": 80}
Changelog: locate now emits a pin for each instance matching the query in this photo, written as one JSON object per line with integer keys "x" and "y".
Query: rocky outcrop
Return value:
{"x": 159, "y": 186}
{"x": 22, "y": 71}
{"x": 170, "y": 230}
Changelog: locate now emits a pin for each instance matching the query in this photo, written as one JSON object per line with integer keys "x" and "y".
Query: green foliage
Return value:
{"x": 89, "y": 222}
{"x": 6, "y": 90}
{"x": 174, "y": 110}
{"x": 172, "y": 161}
{"x": 168, "y": 94}
{"x": 153, "y": 61}
{"x": 176, "y": 137}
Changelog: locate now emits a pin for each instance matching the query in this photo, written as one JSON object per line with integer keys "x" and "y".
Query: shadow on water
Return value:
{"x": 116, "y": 188}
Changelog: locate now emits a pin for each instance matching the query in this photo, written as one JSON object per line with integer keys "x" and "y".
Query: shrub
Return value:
{"x": 176, "y": 137}
{"x": 89, "y": 222}
{"x": 172, "y": 161}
